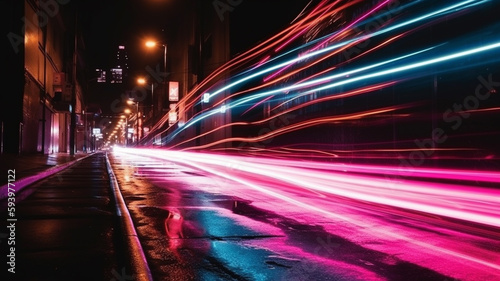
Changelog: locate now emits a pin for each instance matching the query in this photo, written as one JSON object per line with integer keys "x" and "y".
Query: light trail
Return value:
{"x": 449, "y": 9}
{"x": 296, "y": 126}
{"x": 299, "y": 182}
{"x": 322, "y": 43}
{"x": 315, "y": 82}
{"x": 309, "y": 85}
{"x": 402, "y": 86}
{"x": 478, "y": 205}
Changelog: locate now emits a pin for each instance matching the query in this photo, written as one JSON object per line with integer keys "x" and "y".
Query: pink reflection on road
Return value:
{"x": 315, "y": 188}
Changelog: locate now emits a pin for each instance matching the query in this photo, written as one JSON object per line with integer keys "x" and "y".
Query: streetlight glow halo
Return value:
{"x": 150, "y": 44}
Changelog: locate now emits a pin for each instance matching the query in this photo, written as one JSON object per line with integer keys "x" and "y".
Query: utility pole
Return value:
{"x": 44, "y": 90}
{"x": 72, "y": 127}
{"x": 199, "y": 71}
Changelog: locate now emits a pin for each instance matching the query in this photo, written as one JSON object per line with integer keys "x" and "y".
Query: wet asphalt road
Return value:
{"x": 193, "y": 226}
{"x": 192, "y": 230}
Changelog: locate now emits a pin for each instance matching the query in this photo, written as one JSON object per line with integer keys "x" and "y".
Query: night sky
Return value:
{"x": 110, "y": 23}
{"x": 113, "y": 22}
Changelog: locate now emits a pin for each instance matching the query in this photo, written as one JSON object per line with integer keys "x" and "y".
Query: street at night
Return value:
{"x": 251, "y": 140}
{"x": 249, "y": 218}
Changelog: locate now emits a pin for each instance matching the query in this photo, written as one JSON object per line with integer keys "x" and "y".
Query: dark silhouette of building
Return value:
{"x": 41, "y": 111}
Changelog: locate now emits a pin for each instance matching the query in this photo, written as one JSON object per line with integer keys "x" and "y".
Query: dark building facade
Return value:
{"x": 434, "y": 102}
{"x": 212, "y": 33}
{"x": 199, "y": 46}
{"x": 41, "y": 111}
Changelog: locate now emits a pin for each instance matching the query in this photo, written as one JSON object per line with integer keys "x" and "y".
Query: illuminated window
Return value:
{"x": 116, "y": 75}
{"x": 101, "y": 75}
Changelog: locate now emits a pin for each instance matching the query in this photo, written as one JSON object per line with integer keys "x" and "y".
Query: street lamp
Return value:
{"x": 120, "y": 125}
{"x": 131, "y": 101}
{"x": 127, "y": 111}
{"x": 153, "y": 44}
{"x": 143, "y": 81}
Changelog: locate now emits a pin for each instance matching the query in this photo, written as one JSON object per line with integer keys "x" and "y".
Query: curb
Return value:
{"x": 23, "y": 182}
{"x": 137, "y": 257}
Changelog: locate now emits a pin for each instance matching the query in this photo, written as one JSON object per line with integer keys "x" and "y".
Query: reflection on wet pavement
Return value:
{"x": 208, "y": 228}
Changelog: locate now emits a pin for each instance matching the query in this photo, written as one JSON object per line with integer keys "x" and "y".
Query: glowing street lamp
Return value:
{"x": 152, "y": 44}
{"x": 131, "y": 102}
{"x": 126, "y": 111}
{"x": 143, "y": 81}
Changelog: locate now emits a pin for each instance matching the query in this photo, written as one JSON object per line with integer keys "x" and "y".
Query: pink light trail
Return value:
{"x": 418, "y": 194}
{"x": 367, "y": 183}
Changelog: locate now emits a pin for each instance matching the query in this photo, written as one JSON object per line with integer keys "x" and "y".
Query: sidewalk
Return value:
{"x": 30, "y": 168}
{"x": 67, "y": 227}
{"x": 74, "y": 225}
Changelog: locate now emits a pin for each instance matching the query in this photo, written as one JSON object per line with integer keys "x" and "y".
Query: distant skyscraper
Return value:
{"x": 120, "y": 71}
{"x": 116, "y": 76}
{"x": 101, "y": 75}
